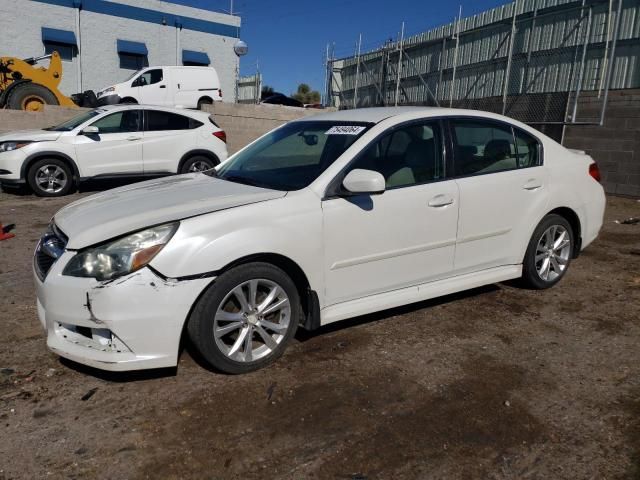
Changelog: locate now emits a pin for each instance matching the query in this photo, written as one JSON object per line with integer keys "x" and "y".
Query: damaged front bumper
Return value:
{"x": 133, "y": 322}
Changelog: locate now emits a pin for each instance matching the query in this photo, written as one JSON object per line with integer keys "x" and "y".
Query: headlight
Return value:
{"x": 121, "y": 256}
{"x": 8, "y": 146}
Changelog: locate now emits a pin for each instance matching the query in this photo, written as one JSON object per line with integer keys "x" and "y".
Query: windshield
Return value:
{"x": 293, "y": 156}
{"x": 76, "y": 121}
{"x": 130, "y": 77}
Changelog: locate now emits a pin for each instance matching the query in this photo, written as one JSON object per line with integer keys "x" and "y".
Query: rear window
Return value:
{"x": 158, "y": 121}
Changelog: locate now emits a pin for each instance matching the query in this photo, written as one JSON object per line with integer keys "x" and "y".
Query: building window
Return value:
{"x": 67, "y": 52}
{"x": 133, "y": 62}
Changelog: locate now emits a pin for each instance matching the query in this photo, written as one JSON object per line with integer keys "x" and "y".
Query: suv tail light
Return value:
{"x": 221, "y": 135}
{"x": 594, "y": 171}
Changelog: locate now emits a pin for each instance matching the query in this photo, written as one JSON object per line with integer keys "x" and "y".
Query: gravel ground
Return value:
{"x": 498, "y": 382}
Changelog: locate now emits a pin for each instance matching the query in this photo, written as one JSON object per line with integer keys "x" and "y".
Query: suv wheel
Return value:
{"x": 197, "y": 163}
{"x": 244, "y": 321}
{"x": 50, "y": 177}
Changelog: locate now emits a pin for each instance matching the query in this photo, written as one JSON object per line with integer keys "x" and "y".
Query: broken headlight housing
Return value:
{"x": 121, "y": 256}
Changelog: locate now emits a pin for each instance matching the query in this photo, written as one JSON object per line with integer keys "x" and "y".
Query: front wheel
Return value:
{"x": 244, "y": 321}
{"x": 549, "y": 252}
{"x": 50, "y": 177}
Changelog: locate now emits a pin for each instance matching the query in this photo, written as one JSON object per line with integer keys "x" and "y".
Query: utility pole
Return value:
{"x": 399, "y": 64}
{"x": 231, "y": 8}
{"x": 355, "y": 92}
{"x": 455, "y": 58}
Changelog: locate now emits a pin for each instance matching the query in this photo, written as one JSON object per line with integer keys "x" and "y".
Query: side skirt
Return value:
{"x": 418, "y": 293}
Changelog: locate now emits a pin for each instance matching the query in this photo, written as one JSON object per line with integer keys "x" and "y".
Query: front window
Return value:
{"x": 76, "y": 121}
{"x": 293, "y": 156}
{"x": 148, "y": 78}
{"x": 119, "y": 122}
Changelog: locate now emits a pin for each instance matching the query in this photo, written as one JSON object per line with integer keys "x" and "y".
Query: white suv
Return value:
{"x": 323, "y": 219}
{"x": 126, "y": 140}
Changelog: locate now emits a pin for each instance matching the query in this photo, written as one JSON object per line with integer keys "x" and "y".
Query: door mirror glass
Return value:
{"x": 90, "y": 130}
{"x": 364, "y": 181}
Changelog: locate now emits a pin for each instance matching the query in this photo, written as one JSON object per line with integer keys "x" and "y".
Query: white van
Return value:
{"x": 185, "y": 87}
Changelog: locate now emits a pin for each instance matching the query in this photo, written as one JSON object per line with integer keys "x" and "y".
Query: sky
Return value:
{"x": 288, "y": 39}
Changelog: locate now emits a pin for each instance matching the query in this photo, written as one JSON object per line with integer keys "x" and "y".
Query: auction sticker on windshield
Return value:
{"x": 345, "y": 130}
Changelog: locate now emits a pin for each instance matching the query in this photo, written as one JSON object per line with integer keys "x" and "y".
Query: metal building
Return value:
{"x": 529, "y": 59}
{"x": 103, "y": 42}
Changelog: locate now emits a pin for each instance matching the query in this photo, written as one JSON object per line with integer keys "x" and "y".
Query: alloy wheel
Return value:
{"x": 199, "y": 166}
{"x": 252, "y": 320}
{"x": 51, "y": 178}
{"x": 552, "y": 253}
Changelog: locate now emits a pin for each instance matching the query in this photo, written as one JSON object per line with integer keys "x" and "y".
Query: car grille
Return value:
{"x": 50, "y": 247}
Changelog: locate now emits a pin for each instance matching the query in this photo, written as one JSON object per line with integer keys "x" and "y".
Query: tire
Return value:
{"x": 50, "y": 177}
{"x": 31, "y": 97}
{"x": 220, "y": 308}
{"x": 129, "y": 101}
{"x": 204, "y": 101}
{"x": 544, "y": 265}
{"x": 197, "y": 163}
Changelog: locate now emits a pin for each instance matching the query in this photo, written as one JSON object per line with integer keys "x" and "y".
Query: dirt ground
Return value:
{"x": 494, "y": 383}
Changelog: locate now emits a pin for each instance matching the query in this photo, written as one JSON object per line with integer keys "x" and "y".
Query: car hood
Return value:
{"x": 35, "y": 135}
{"x": 122, "y": 210}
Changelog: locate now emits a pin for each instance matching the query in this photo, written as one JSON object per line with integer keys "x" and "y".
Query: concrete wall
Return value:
{"x": 616, "y": 144}
{"x": 11, "y": 120}
{"x": 245, "y": 123}
{"x": 98, "y": 64}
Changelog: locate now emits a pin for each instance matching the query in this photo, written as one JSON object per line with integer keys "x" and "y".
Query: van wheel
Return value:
{"x": 197, "y": 163}
{"x": 245, "y": 320}
{"x": 50, "y": 177}
{"x": 204, "y": 101}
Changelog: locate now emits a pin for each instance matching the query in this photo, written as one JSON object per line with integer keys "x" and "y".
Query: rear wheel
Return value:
{"x": 246, "y": 318}
{"x": 129, "y": 101}
{"x": 204, "y": 101}
{"x": 31, "y": 97}
{"x": 50, "y": 177}
{"x": 198, "y": 163}
{"x": 549, "y": 252}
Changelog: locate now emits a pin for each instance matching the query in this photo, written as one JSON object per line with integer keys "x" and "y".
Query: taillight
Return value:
{"x": 594, "y": 171}
{"x": 221, "y": 135}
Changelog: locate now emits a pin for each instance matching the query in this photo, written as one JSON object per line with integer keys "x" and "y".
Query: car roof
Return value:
{"x": 135, "y": 106}
{"x": 378, "y": 114}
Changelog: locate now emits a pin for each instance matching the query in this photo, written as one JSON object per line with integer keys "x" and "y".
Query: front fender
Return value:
{"x": 290, "y": 226}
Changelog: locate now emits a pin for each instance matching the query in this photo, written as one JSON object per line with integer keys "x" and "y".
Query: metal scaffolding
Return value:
{"x": 529, "y": 59}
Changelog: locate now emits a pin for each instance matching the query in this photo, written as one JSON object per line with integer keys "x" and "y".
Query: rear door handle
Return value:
{"x": 133, "y": 138}
{"x": 440, "y": 201}
{"x": 532, "y": 184}
{"x": 163, "y": 86}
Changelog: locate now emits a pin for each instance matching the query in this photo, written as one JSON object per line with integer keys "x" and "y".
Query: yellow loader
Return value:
{"x": 25, "y": 86}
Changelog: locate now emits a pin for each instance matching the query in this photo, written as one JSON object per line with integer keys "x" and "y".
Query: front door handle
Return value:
{"x": 440, "y": 201}
{"x": 133, "y": 138}
{"x": 532, "y": 184}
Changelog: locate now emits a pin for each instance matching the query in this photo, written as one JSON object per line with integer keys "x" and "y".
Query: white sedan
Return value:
{"x": 322, "y": 219}
{"x": 112, "y": 141}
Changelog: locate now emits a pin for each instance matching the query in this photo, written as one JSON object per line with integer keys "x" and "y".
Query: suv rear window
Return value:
{"x": 159, "y": 121}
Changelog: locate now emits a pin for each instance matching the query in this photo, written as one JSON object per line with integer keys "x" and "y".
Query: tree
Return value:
{"x": 306, "y": 95}
{"x": 267, "y": 91}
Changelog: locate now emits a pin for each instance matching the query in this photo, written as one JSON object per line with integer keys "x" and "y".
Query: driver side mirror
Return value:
{"x": 90, "y": 130}
{"x": 360, "y": 181}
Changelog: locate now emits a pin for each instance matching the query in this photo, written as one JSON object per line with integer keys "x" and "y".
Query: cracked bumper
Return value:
{"x": 145, "y": 315}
